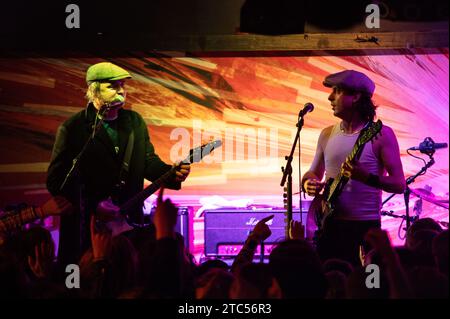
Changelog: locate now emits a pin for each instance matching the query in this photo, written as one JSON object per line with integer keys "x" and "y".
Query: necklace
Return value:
{"x": 356, "y": 132}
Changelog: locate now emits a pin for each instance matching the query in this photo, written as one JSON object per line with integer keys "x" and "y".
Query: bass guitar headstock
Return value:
{"x": 196, "y": 154}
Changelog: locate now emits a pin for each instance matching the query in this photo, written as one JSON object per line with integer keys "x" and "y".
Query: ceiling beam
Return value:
{"x": 299, "y": 42}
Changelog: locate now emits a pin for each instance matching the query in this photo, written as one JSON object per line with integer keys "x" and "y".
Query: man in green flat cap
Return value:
{"x": 119, "y": 154}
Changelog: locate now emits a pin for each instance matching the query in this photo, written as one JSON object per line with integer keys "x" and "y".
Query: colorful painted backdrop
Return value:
{"x": 250, "y": 102}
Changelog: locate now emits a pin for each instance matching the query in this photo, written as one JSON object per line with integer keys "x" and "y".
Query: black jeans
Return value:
{"x": 342, "y": 238}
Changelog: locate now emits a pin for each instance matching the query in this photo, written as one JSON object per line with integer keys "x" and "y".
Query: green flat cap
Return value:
{"x": 106, "y": 71}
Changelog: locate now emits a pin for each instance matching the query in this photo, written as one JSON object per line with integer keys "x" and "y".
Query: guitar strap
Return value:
{"x": 358, "y": 155}
{"x": 126, "y": 159}
{"x": 365, "y": 128}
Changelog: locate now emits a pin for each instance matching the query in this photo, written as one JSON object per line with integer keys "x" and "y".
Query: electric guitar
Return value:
{"x": 323, "y": 205}
{"x": 116, "y": 216}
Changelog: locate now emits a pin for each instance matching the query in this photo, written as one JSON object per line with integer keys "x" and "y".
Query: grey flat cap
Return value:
{"x": 351, "y": 80}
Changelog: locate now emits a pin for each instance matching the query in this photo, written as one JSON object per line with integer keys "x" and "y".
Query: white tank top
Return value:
{"x": 357, "y": 201}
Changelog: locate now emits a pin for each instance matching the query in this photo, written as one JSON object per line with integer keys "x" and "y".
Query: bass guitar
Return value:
{"x": 117, "y": 216}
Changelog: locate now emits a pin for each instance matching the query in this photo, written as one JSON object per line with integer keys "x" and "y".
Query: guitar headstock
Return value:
{"x": 370, "y": 132}
{"x": 196, "y": 154}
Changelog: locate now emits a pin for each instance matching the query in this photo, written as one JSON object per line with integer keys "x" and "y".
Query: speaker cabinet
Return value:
{"x": 184, "y": 226}
{"x": 227, "y": 229}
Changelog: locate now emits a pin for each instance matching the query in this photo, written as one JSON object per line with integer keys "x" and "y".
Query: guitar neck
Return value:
{"x": 340, "y": 179}
{"x": 195, "y": 155}
{"x": 140, "y": 197}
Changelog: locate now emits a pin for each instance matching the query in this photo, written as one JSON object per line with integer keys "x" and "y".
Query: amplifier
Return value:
{"x": 184, "y": 224}
{"x": 233, "y": 249}
{"x": 227, "y": 229}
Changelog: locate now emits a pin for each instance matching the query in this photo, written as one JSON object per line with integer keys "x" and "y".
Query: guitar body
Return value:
{"x": 110, "y": 216}
{"x": 315, "y": 210}
{"x": 116, "y": 218}
{"x": 318, "y": 213}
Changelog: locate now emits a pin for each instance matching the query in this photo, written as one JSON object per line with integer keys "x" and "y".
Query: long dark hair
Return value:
{"x": 366, "y": 107}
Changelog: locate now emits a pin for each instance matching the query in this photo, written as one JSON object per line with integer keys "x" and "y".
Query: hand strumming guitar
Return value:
{"x": 41, "y": 263}
{"x": 313, "y": 186}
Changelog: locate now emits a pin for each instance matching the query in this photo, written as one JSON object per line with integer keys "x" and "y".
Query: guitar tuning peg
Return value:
{"x": 285, "y": 189}
{"x": 285, "y": 195}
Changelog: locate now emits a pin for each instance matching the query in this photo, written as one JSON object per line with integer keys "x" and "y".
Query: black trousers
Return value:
{"x": 342, "y": 239}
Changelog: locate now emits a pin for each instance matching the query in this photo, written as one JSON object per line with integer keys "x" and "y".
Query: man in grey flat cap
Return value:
{"x": 120, "y": 154}
{"x": 378, "y": 167}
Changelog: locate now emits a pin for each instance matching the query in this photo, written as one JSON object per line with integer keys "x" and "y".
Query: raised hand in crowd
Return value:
{"x": 398, "y": 282}
{"x": 380, "y": 241}
{"x": 168, "y": 275}
{"x": 165, "y": 218}
{"x": 42, "y": 261}
{"x": 261, "y": 231}
{"x": 101, "y": 239}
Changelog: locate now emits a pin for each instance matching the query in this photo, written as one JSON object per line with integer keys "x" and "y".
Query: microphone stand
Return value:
{"x": 76, "y": 160}
{"x": 287, "y": 175}
{"x": 75, "y": 164}
{"x": 407, "y": 192}
{"x": 262, "y": 252}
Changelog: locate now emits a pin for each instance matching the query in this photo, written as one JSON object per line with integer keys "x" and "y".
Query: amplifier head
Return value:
{"x": 230, "y": 227}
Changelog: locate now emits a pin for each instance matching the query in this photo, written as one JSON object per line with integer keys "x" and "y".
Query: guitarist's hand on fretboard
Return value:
{"x": 182, "y": 172}
{"x": 354, "y": 171}
{"x": 55, "y": 206}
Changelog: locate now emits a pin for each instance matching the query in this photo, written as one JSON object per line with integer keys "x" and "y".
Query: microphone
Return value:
{"x": 309, "y": 107}
{"x": 118, "y": 100}
{"x": 428, "y": 146}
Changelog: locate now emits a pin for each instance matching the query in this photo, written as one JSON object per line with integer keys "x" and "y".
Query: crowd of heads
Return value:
{"x": 153, "y": 263}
